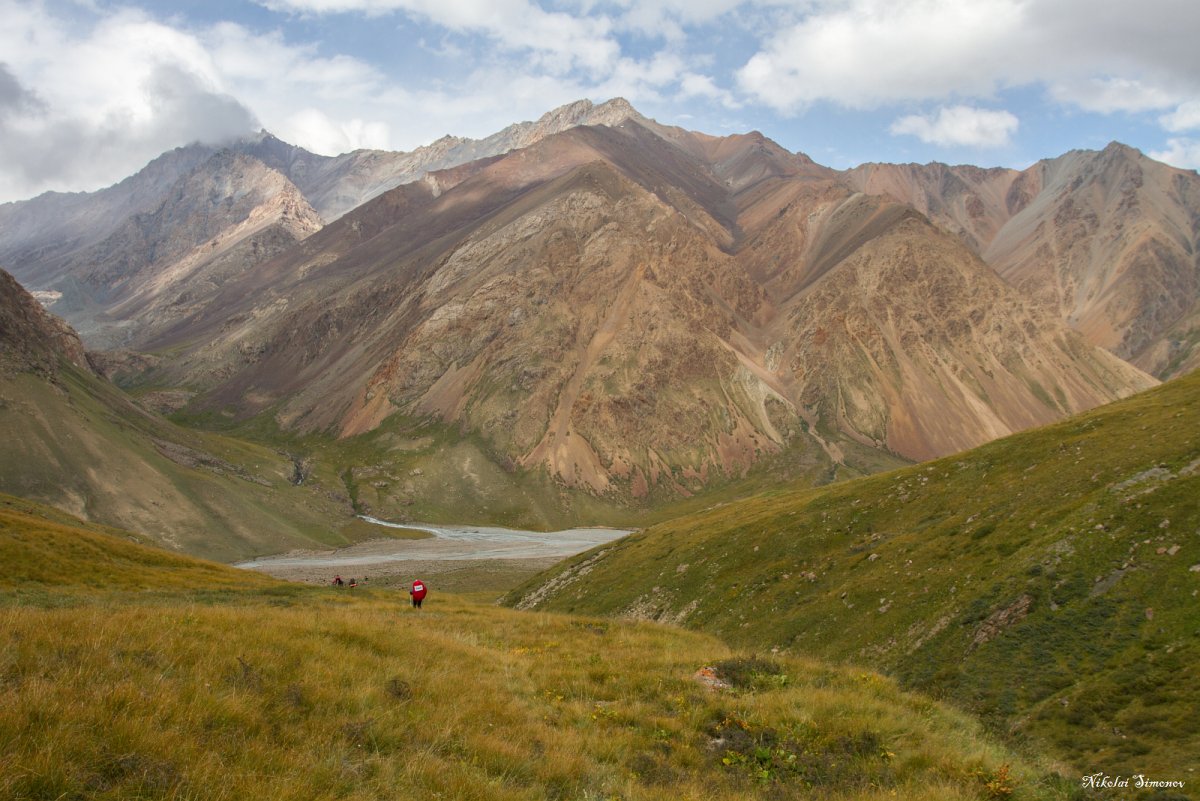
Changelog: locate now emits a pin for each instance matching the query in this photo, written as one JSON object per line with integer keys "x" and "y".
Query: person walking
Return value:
{"x": 418, "y": 593}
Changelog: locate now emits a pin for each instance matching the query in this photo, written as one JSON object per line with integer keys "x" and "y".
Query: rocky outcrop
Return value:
{"x": 32, "y": 339}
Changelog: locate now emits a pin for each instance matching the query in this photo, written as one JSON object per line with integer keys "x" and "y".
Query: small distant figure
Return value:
{"x": 418, "y": 593}
{"x": 353, "y": 582}
{"x": 337, "y": 581}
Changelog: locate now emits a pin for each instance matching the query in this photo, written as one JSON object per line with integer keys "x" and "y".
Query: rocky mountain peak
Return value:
{"x": 612, "y": 112}
{"x": 584, "y": 112}
{"x": 1114, "y": 148}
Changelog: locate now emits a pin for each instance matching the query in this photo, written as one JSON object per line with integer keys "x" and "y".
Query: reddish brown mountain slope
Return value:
{"x": 633, "y": 307}
{"x": 32, "y": 339}
{"x": 1108, "y": 240}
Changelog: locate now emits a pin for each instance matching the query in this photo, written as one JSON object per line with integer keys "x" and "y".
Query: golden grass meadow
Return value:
{"x": 131, "y": 673}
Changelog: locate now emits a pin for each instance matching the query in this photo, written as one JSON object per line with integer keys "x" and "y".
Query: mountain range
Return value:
{"x": 56, "y": 239}
{"x": 1105, "y": 240}
{"x": 598, "y": 317}
{"x": 631, "y": 309}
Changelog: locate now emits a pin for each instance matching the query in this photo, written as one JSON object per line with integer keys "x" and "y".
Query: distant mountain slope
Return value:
{"x": 221, "y": 219}
{"x": 631, "y": 308}
{"x": 39, "y": 237}
{"x": 1108, "y": 240}
{"x": 899, "y": 336}
{"x": 74, "y": 441}
{"x": 1113, "y": 243}
{"x": 1047, "y": 581}
{"x": 636, "y": 308}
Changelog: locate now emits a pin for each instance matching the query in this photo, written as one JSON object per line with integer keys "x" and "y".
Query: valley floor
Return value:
{"x": 456, "y": 558}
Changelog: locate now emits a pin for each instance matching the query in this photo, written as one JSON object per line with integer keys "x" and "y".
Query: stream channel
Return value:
{"x": 449, "y": 544}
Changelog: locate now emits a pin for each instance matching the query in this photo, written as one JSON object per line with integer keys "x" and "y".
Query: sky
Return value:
{"x": 90, "y": 91}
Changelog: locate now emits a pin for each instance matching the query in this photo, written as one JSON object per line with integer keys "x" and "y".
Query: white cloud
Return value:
{"x": 1108, "y": 95}
{"x": 1182, "y": 152}
{"x": 559, "y": 41}
{"x": 695, "y": 85}
{"x": 669, "y": 19}
{"x": 1184, "y": 118}
{"x": 102, "y": 94}
{"x": 545, "y": 58}
{"x": 870, "y": 53}
{"x": 866, "y": 53}
{"x": 960, "y": 126}
{"x": 248, "y": 59}
{"x": 317, "y": 102}
{"x": 99, "y": 105}
{"x": 322, "y": 134}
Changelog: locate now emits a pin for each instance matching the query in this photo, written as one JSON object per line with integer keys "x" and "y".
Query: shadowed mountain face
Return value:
{"x": 635, "y": 307}
{"x": 1108, "y": 241}
{"x": 73, "y": 440}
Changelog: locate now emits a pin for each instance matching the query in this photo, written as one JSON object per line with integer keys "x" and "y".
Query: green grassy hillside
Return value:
{"x": 1047, "y": 582}
{"x": 78, "y": 443}
{"x": 50, "y": 555}
{"x": 419, "y": 469}
{"x": 131, "y": 673}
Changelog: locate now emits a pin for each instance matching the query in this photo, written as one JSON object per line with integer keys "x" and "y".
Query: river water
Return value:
{"x": 448, "y": 544}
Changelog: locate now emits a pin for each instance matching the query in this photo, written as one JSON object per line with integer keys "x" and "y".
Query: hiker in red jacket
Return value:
{"x": 418, "y": 593}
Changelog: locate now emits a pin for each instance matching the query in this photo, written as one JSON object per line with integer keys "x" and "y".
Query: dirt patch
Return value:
{"x": 1001, "y": 619}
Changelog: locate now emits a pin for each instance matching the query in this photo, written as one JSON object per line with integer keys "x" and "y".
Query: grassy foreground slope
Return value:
{"x": 132, "y": 673}
{"x": 1047, "y": 582}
